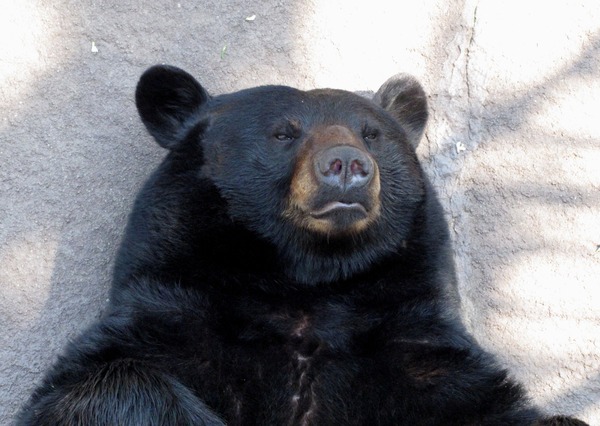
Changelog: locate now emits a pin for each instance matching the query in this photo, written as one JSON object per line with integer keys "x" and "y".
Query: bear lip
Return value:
{"x": 337, "y": 206}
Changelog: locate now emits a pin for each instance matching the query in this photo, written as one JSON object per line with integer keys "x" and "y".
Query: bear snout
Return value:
{"x": 335, "y": 185}
{"x": 343, "y": 167}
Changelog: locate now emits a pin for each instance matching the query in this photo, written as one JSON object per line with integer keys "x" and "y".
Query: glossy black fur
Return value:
{"x": 222, "y": 311}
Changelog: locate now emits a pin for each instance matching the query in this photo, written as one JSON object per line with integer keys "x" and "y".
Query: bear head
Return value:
{"x": 327, "y": 177}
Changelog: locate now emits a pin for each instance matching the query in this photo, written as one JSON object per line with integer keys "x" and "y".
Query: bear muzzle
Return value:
{"x": 343, "y": 167}
{"x": 335, "y": 186}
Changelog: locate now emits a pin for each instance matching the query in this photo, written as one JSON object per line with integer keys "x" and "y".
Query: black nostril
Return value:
{"x": 335, "y": 167}
{"x": 357, "y": 168}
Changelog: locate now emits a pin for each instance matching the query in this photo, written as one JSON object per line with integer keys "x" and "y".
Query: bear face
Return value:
{"x": 335, "y": 182}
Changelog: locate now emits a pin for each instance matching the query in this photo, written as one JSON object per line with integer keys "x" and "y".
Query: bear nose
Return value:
{"x": 344, "y": 167}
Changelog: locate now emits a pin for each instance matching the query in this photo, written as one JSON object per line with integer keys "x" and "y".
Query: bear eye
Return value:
{"x": 288, "y": 132}
{"x": 283, "y": 137}
{"x": 370, "y": 134}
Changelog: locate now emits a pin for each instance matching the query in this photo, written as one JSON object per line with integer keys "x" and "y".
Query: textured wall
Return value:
{"x": 513, "y": 146}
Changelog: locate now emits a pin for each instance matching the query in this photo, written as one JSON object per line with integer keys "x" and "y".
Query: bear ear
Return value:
{"x": 168, "y": 100}
{"x": 404, "y": 98}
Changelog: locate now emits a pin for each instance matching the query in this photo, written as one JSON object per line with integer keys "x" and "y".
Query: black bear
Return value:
{"x": 287, "y": 264}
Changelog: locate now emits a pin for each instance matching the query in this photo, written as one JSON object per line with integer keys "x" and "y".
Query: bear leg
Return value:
{"x": 123, "y": 392}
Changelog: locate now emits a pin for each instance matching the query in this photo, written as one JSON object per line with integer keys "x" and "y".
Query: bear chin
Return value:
{"x": 334, "y": 218}
{"x": 340, "y": 208}
{"x": 337, "y": 217}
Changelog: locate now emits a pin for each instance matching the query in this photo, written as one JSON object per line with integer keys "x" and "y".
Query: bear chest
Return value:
{"x": 293, "y": 363}
{"x": 306, "y": 353}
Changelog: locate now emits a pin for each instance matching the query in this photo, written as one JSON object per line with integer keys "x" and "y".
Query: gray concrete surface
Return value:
{"x": 513, "y": 146}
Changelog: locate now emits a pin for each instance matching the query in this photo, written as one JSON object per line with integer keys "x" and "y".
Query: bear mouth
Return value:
{"x": 336, "y": 208}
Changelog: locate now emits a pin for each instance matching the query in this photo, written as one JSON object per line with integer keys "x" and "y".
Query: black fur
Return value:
{"x": 225, "y": 311}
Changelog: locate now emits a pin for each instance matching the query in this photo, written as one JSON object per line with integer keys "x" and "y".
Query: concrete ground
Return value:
{"x": 513, "y": 146}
